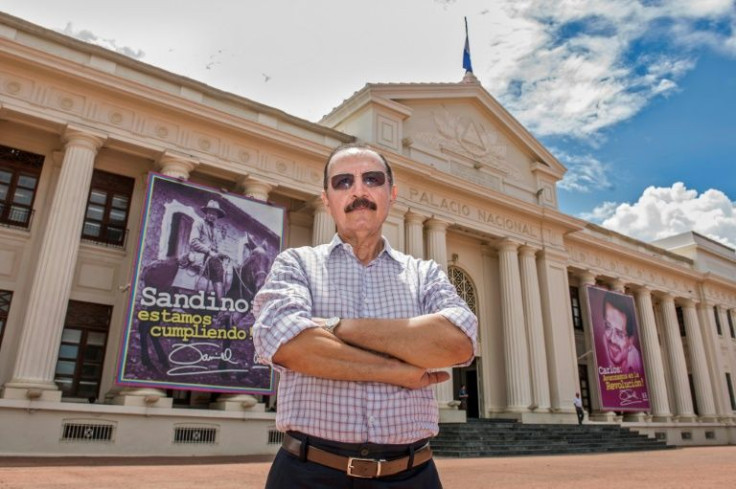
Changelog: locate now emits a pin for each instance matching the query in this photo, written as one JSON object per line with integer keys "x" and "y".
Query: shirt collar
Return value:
{"x": 387, "y": 249}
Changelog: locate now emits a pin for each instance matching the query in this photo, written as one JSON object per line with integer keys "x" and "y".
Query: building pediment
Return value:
{"x": 456, "y": 128}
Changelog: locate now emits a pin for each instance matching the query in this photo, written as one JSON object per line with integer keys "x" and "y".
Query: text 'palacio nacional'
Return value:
{"x": 82, "y": 129}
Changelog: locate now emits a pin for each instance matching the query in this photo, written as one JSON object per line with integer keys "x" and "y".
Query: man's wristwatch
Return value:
{"x": 331, "y": 324}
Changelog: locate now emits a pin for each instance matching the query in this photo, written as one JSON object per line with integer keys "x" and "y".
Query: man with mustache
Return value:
{"x": 356, "y": 330}
{"x": 618, "y": 334}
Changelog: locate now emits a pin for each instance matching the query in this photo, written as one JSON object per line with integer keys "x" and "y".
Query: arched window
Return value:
{"x": 464, "y": 287}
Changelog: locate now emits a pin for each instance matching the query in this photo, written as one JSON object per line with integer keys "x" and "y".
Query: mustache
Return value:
{"x": 360, "y": 203}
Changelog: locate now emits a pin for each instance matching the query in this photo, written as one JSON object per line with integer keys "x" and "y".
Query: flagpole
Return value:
{"x": 467, "y": 65}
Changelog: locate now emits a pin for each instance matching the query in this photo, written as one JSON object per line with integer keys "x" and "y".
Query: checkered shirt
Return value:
{"x": 326, "y": 281}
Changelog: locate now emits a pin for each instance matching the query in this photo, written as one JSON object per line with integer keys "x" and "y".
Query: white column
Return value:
{"x": 490, "y": 337}
{"x": 323, "y": 226}
{"x": 562, "y": 364}
{"x": 518, "y": 389}
{"x": 437, "y": 251}
{"x": 534, "y": 328}
{"x": 730, "y": 352}
{"x": 699, "y": 363}
{"x": 656, "y": 384}
{"x": 33, "y": 374}
{"x": 676, "y": 356}
{"x": 255, "y": 188}
{"x": 715, "y": 361}
{"x": 413, "y": 223}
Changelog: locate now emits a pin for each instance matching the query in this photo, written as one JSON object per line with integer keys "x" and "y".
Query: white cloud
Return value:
{"x": 601, "y": 212}
{"x": 584, "y": 173}
{"x": 90, "y": 37}
{"x": 665, "y": 211}
{"x": 577, "y": 59}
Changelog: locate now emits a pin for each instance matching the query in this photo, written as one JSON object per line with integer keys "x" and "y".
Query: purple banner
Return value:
{"x": 202, "y": 256}
{"x": 619, "y": 366}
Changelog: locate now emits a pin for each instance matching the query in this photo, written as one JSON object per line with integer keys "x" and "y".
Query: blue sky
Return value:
{"x": 637, "y": 98}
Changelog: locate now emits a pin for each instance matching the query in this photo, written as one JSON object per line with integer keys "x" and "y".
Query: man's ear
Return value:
{"x": 394, "y": 193}
{"x": 325, "y": 200}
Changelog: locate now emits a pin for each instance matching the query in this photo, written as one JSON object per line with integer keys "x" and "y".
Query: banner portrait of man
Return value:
{"x": 619, "y": 366}
{"x": 203, "y": 255}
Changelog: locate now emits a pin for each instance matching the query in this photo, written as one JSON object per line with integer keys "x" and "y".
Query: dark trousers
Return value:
{"x": 289, "y": 472}
{"x": 581, "y": 414}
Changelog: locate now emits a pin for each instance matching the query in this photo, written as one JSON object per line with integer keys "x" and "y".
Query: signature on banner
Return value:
{"x": 189, "y": 356}
{"x": 629, "y": 397}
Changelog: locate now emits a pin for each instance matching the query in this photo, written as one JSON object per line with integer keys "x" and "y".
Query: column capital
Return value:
{"x": 667, "y": 298}
{"x": 687, "y": 303}
{"x": 174, "y": 165}
{"x": 255, "y": 187}
{"x": 413, "y": 216}
{"x": 434, "y": 224}
{"x": 642, "y": 290}
{"x": 586, "y": 277}
{"x": 528, "y": 250}
{"x": 507, "y": 244}
{"x": 618, "y": 285}
{"x": 75, "y": 136}
{"x": 317, "y": 204}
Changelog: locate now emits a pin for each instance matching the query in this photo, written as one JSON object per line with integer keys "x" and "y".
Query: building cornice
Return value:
{"x": 122, "y": 73}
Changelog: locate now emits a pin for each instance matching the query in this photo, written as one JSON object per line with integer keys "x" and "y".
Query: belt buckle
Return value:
{"x": 359, "y": 470}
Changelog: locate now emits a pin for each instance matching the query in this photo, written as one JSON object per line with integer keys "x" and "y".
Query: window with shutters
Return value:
{"x": 82, "y": 350}
{"x": 20, "y": 172}
{"x": 108, "y": 204}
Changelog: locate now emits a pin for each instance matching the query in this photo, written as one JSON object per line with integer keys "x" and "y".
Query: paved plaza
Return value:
{"x": 700, "y": 467}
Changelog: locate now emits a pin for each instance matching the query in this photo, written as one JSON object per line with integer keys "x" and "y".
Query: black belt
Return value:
{"x": 364, "y": 468}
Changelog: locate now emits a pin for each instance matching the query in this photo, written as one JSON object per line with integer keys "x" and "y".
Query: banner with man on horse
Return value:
{"x": 202, "y": 256}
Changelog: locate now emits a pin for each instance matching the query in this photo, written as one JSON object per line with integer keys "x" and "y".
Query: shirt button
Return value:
{"x": 364, "y": 452}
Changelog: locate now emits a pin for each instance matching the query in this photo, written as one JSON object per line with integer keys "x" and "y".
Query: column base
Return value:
{"x": 237, "y": 402}
{"x": 686, "y": 418}
{"x": 146, "y": 397}
{"x": 639, "y": 417}
{"x": 661, "y": 418}
{"x": 450, "y": 413}
{"x": 604, "y": 417}
{"x": 30, "y": 391}
{"x": 708, "y": 418}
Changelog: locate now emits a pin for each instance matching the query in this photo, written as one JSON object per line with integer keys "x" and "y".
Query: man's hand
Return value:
{"x": 412, "y": 377}
{"x": 429, "y": 378}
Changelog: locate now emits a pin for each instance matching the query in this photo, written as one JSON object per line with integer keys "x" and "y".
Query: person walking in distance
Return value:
{"x": 578, "y": 403}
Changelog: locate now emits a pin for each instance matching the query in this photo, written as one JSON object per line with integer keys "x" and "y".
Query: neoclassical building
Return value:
{"x": 82, "y": 127}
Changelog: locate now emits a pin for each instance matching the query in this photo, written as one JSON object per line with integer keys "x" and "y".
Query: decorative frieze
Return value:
{"x": 629, "y": 270}
{"x": 150, "y": 123}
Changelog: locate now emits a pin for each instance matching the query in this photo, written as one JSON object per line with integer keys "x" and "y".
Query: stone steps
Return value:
{"x": 498, "y": 438}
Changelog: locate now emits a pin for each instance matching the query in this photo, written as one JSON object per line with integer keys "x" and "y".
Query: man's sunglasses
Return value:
{"x": 371, "y": 179}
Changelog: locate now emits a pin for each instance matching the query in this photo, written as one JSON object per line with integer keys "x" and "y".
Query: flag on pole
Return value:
{"x": 466, "y": 52}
